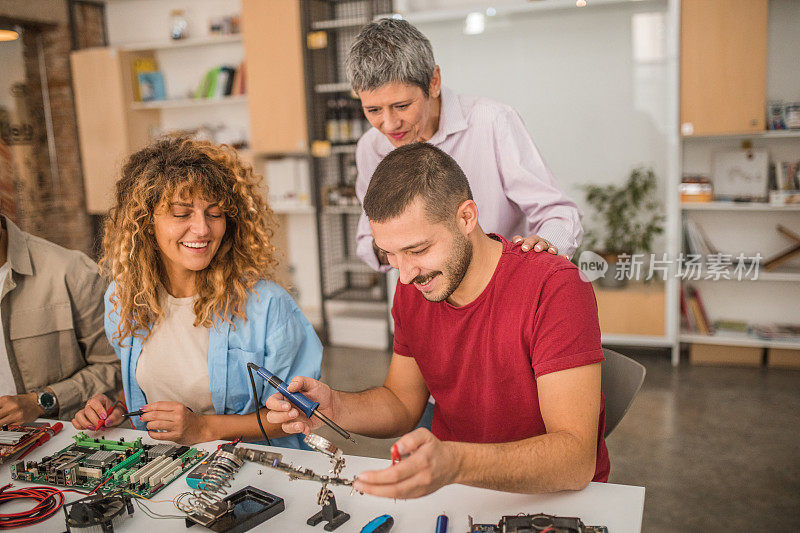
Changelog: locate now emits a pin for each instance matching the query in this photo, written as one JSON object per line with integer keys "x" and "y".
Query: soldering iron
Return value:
{"x": 308, "y": 407}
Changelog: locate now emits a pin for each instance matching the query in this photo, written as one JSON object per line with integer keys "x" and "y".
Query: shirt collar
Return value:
{"x": 18, "y": 254}
{"x": 451, "y": 120}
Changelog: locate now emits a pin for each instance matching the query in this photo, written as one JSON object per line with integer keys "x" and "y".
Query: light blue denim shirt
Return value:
{"x": 275, "y": 335}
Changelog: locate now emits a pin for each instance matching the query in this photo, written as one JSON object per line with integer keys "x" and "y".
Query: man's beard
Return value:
{"x": 455, "y": 268}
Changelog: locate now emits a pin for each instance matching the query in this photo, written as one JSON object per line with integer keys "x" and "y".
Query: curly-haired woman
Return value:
{"x": 188, "y": 251}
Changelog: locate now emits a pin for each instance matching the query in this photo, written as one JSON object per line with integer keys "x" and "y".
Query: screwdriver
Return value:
{"x": 303, "y": 403}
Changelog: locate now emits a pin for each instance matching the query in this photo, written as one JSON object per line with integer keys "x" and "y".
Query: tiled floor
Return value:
{"x": 716, "y": 448}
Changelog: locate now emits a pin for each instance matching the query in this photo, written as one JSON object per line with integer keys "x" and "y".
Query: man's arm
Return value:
{"x": 102, "y": 371}
{"x": 562, "y": 459}
{"x": 382, "y": 412}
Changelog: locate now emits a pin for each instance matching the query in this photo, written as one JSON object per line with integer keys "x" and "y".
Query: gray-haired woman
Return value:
{"x": 391, "y": 68}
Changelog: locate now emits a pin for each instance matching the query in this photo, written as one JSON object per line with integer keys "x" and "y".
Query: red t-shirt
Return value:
{"x": 480, "y": 361}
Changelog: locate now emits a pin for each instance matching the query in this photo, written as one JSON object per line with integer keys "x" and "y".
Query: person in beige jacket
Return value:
{"x": 54, "y": 355}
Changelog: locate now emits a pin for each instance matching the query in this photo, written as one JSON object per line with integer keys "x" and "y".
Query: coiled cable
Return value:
{"x": 212, "y": 487}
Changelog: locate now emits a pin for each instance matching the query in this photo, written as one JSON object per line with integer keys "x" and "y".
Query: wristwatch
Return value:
{"x": 48, "y": 402}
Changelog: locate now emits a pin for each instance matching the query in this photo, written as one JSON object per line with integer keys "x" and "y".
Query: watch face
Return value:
{"x": 47, "y": 400}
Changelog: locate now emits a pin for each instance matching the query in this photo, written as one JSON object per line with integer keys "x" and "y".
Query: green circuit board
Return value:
{"x": 88, "y": 463}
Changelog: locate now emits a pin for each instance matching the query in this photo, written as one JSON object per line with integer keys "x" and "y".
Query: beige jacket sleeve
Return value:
{"x": 101, "y": 370}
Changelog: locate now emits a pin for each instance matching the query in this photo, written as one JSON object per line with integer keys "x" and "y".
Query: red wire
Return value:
{"x": 100, "y": 485}
{"x": 48, "y": 501}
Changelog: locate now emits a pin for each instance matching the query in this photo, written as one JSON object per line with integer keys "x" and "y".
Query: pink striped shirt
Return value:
{"x": 515, "y": 191}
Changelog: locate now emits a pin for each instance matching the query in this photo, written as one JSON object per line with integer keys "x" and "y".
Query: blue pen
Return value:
{"x": 381, "y": 524}
{"x": 441, "y": 523}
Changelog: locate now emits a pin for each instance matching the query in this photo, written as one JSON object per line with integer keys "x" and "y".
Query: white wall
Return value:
{"x": 592, "y": 91}
{"x": 783, "y": 45}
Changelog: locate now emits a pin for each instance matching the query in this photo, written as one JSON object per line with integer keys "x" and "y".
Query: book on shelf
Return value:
{"x": 693, "y": 312}
{"x": 221, "y": 81}
{"x": 739, "y": 327}
{"x": 141, "y": 65}
{"x": 777, "y": 331}
{"x": 151, "y": 86}
{"x": 695, "y": 240}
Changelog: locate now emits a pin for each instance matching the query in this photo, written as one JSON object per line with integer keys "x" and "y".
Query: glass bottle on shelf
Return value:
{"x": 345, "y": 135}
{"x": 356, "y": 120}
{"x": 332, "y": 122}
{"x": 178, "y": 27}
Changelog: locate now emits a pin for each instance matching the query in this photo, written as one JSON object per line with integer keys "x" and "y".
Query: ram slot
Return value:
{"x": 155, "y": 477}
{"x": 139, "y": 475}
{"x": 127, "y": 462}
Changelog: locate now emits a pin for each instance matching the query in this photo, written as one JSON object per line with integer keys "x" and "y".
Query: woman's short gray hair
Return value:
{"x": 389, "y": 50}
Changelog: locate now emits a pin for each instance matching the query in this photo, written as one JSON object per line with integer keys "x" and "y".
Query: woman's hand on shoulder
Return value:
{"x": 175, "y": 422}
{"x": 536, "y": 243}
{"x": 94, "y": 415}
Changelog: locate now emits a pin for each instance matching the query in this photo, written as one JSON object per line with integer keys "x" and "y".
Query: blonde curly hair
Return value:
{"x": 131, "y": 256}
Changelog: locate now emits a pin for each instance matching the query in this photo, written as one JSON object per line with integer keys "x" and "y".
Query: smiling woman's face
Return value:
{"x": 189, "y": 232}
{"x": 402, "y": 112}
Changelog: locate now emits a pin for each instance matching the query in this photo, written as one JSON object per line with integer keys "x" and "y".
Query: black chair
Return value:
{"x": 622, "y": 377}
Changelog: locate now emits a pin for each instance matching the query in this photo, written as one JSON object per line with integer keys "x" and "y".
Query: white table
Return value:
{"x": 619, "y": 507}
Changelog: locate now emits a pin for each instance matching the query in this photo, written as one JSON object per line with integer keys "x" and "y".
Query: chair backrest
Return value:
{"x": 622, "y": 379}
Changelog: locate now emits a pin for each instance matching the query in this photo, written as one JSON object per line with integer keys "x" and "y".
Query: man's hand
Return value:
{"x": 176, "y": 422}
{"x": 19, "y": 408}
{"x": 537, "y": 243}
{"x": 428, "y": 464}
{"x": 94, "y": 415}
{"x": 289, "y": 417}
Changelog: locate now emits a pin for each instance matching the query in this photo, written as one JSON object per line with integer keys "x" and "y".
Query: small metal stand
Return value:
{"x": 329, "y": 513}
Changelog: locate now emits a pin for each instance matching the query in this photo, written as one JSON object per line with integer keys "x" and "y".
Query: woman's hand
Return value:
{"x": 537, "y": 243}
{"x": 176, "y": 422}
{"x": 94, "y": 415}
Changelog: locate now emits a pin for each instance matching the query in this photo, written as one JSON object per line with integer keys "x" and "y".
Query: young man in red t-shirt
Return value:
{"x": 506, "y": 342}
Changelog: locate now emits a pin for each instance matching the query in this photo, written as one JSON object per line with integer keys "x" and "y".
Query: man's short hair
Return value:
{"x": 417, "y": 170}
{"x": 389, "y": 50}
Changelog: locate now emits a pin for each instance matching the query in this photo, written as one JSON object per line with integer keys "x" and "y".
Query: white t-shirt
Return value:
{"x": 7, "y": 386}
{"x": 173, "y": 365}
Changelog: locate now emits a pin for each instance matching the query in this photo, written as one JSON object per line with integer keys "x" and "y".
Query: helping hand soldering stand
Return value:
{"x": 329, "y": 513}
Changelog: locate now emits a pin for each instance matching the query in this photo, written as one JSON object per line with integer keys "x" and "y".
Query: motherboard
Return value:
{"x": 111, "y": 465}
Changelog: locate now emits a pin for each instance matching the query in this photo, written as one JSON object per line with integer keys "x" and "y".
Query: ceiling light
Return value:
{"x": 474, "y": 24}
{"x": 8, "y": 35}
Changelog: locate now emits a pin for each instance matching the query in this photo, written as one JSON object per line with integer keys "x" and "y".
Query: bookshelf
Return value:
{"x": 735, "y": 227}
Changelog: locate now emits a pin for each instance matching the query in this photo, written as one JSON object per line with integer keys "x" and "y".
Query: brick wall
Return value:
{"x": 54, "y": 207}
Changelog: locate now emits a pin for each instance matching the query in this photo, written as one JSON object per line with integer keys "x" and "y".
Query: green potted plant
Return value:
{"x": 625, "y": 220}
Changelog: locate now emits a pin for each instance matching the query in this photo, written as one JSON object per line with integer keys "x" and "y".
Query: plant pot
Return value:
{"x": 609, "y": 279}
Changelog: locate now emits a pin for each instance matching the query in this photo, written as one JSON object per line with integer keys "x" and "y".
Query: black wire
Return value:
{"x": 255, "y": 401}
{"x": 152, "y": 514}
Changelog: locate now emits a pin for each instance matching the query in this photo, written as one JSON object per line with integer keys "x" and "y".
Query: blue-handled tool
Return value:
{"x": 441, "y": 523}
{"x": 381, "y": 524}
{"x": 308, "y": 407}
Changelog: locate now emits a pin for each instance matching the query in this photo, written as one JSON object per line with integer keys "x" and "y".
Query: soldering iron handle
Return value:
{"x": 300, "y": 401}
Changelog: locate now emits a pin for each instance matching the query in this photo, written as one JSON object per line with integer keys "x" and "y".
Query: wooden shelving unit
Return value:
{"x": 725, "y": 120}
